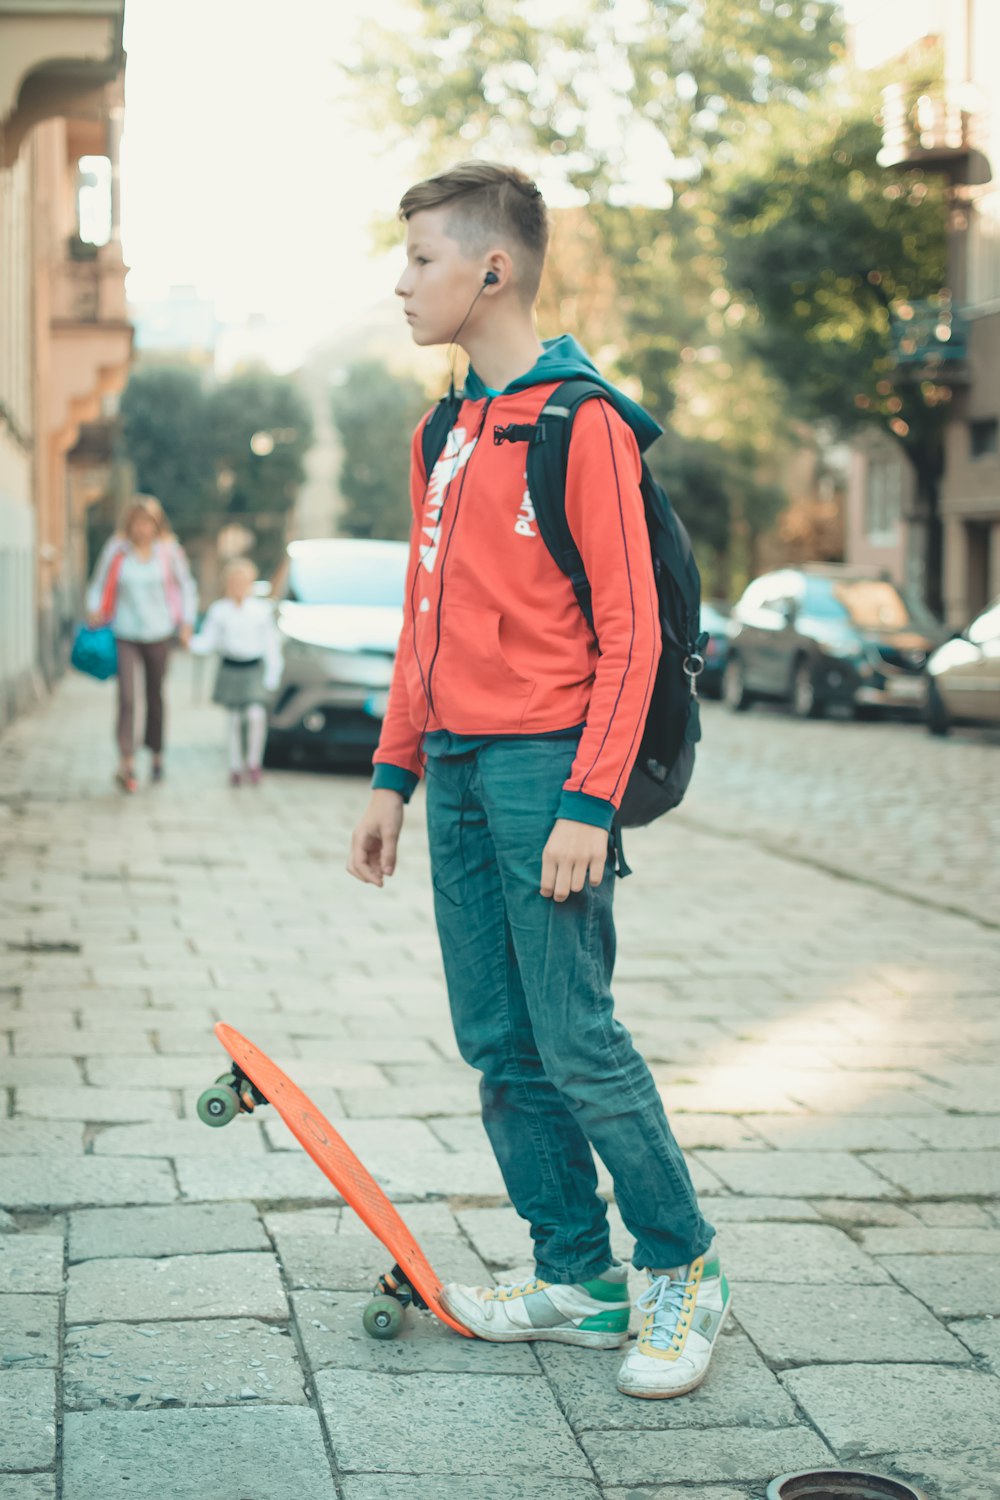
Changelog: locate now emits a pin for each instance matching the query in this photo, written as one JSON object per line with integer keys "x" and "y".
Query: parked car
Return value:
{"x": 714, "y": 619}
{"x": 827, "y": 635}
{"x": 339, "y": 617}
{"x": 964, "y": 676}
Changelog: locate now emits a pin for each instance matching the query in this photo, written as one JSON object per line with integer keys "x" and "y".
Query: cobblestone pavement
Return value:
{"x": 180, "y": 1308}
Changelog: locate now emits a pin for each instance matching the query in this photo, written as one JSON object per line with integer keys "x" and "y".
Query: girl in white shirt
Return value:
{"x": 242, "y": 630}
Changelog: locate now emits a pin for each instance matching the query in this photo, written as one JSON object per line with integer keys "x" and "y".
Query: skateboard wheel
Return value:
{"x": 217, "y": 1105}
{"x": 383, "y": 1318}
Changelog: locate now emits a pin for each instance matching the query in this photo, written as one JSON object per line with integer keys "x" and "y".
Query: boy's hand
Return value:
{"x": 373, "y": 842}
{"x": 574, "y": 852}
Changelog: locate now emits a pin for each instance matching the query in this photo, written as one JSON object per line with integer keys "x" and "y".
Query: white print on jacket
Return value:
{"x": 455, "y": 456}
{"x": 526, "y": 515}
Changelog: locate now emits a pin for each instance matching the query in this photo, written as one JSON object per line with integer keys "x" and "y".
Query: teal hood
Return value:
{"x": 564, "y": 359}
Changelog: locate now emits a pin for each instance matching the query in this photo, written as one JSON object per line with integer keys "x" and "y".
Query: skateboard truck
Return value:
{"x": 393, "y": 1294}
{"x": 230, "y": 1095}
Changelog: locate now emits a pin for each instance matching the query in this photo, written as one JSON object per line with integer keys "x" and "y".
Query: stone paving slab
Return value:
{"x": 111, "y": 1105}
{"x": 27, "y": 1419}
{"x": 797, "y": 1174}
{"x": 808, "y": 1254}
{"x": 277, "y": 1454}
{"x": 718, "y": 1453}
{"x": 963, "y": 1474}
{"x": 40, "y": 1072}
{"x": 348, "y": 1258}
{"x": 438, "y": 1487}
{"x": 40, "y": 1138}
{"x": 942, "y": 1174}
{"x": 31, "y": 1263}
{"x": 982, "y": 1336}
{"x": 519, "y": 1430}
{"x": 41, "y": 1182}
{"x": 685, "y": 1492}
{"x": 953, "y": 1286}
{"x": 27, "y": 1487}
{"x": 332, "y": 1336}
{"x": 195, "y": 1363}
{"x": 266, "y": 1179}
{"x": 858, "y": 1213}
{"x": 959, "y": 1132}
{"x": 849, "y": 1324}
{"x": 29, "y": 1332}
{"x": 180, "y": 1286}
{"x": 177, "y": 1138}
{"x": 864, "y": 1410}
{"x": 835, "y": 1133}
{"x": 739, "y": 1391}
{"x": 930, "y": 1241}
{"x": 761, "y": 1210}
{"x": 53, "y": 1041}
{"x": 180, "y": 1229}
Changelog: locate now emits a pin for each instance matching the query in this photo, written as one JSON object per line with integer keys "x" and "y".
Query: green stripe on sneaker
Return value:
{"x": 605, "y": 1291}
{"x": 711, "y": 1268}
{"x": 606, "y": 1322}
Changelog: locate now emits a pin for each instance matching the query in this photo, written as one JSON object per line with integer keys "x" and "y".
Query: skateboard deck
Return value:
{"x": 341, "y": 1167}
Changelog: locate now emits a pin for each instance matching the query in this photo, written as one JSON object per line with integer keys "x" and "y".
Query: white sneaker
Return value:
{"x": 592, "y": 1313}
{"x": 684, "y": 1313}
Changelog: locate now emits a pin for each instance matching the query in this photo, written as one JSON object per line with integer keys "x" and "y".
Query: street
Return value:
{"x": 809, "y": 952}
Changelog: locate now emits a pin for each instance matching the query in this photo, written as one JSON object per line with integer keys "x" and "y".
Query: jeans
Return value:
{"x": 529, "y": 988}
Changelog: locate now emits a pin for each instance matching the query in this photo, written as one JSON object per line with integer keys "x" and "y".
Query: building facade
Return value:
{"x": 948, "y": 123}
{"x": 65, "y": 336}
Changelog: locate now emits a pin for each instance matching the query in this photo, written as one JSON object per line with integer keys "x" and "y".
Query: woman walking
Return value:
{"x": 143, "y": 588}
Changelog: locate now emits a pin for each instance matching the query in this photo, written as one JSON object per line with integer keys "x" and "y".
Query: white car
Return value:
{"x": 964, "y": 676}
{"x": 340, "y": 613}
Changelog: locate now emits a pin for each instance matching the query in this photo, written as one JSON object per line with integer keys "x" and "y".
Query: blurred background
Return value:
{"x": 775, "y": 222}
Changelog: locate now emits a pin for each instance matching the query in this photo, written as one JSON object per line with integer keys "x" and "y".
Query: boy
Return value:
{"x": 527, "y": 733}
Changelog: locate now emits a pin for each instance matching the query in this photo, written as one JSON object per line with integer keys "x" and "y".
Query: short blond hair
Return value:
{"x": 489, "y": 202}
{"x": 240, "y": 565}
{"x": 149, "y": 506}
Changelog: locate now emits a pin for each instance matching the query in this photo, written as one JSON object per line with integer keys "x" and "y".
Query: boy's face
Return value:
{"x": 440, "y": 281}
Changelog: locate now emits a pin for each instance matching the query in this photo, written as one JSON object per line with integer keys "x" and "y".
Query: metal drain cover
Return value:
{"x": 841, "y": 1484}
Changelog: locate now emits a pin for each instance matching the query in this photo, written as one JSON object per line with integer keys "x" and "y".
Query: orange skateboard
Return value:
{"x": 254, "y": 1079}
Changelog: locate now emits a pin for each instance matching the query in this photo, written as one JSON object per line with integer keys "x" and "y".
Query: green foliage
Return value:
{"x": 828, "y": 244}
{"x": 191, "y": 449}
{"x": 375, "y": 412}
{"x": 259, "y": 402}
{"x": 641, "y": 111}
{"x": 166, "y": 435}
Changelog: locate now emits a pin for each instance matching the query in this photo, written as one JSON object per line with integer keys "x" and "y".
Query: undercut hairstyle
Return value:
{"x": 489, "y": 203}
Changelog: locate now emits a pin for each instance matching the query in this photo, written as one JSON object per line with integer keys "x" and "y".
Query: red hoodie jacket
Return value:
{"x": 494, "y": 642}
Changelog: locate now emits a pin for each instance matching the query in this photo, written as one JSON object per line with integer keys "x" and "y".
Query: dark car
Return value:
{"x": 715, "y": 620}
{"x": 339, "y": 619}
{"x": 829, "y": 635}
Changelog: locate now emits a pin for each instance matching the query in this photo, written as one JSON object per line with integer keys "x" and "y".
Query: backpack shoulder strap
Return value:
{"x": 547, "y": 465}
{"x": 436, "y": 430}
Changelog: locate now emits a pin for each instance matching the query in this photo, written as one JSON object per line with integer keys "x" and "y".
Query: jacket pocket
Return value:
{"x": 475, "y": 688}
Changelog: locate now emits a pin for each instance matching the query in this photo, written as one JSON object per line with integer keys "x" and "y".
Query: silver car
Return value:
{"x": 965, "y": 676}
{"x": 339, "y": 618}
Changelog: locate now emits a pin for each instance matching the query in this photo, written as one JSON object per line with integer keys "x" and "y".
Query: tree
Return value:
{"x": 835, "y": 251}
{"x": 637, "y": 110}
{"x": 235, "y": 452}
{"x": 166, "y": 435}
{"x": 375, "y": 412}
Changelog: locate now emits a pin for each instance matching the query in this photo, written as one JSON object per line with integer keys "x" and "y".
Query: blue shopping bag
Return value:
{"x": 95, "y": 652}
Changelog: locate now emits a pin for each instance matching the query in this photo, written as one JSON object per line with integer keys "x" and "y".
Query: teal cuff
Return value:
{"x": 394, "y": 779}
{"x": 581, "y": 807}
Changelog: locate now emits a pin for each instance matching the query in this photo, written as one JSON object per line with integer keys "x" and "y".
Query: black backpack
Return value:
{"x": 665, "y": 761}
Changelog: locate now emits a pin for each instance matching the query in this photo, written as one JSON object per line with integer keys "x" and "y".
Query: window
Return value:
{"x": 93, "y": 199}
{"x": 984, "y": 437}
{"x": 884, "y": 498}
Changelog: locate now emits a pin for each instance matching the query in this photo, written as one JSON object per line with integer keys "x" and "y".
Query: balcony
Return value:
{"x": 936, "y": 126}
{"x": 91, "y": 336}
{"x": 930, "y": 342}
{"x": 55, "y": 59}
